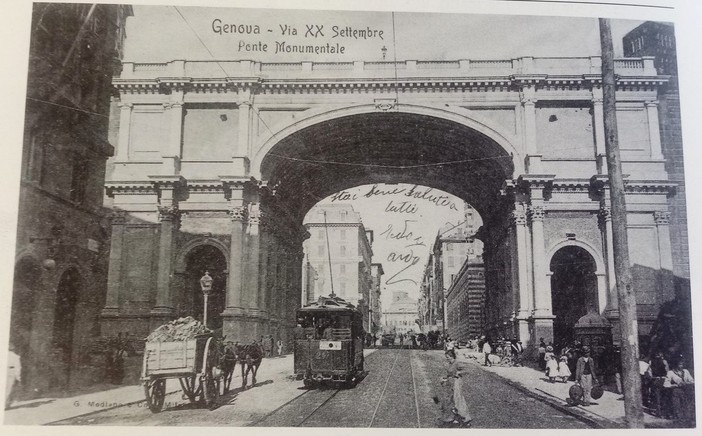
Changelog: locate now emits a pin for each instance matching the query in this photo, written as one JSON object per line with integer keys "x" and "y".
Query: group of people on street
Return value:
{"x": 667, "y": 391}
{"x": 269, "y": 346}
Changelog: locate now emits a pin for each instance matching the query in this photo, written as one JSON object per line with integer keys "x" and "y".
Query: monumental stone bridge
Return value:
{"x": 217, "y": 163}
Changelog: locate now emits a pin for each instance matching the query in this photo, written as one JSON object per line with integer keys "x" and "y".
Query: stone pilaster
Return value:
{"x": 244, "y": 123}
{"x": 252, "y": 267}
{"x": 171, "y": 152}
{"x": 169, "y": 217}
{"x": 520, "y": 273}
{"x": 528, "y": 100}
{"x": 125, "y": 120}
{"x": 654, "y": 130}
{"x": 234, "y": 312}
{"x": 114, "y": 274}
{"x": 605, "y": 222}
{"x": 598, "y": 122}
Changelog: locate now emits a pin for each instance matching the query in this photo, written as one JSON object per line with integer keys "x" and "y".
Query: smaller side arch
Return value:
{"x": 596, "y": 254}
{"x": 181, "y": 258}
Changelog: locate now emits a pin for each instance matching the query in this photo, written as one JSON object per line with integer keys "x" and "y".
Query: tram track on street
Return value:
{"x": 385, "y": 387}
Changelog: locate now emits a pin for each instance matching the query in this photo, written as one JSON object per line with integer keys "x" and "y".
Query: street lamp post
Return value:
{"x": 206, "y": 286}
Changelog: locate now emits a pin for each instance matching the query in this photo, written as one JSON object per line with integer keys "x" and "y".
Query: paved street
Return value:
{"x": 396, "y": 392}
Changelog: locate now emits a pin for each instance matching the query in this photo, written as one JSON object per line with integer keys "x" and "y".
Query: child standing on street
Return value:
{"x": 552, "y": 368}
{"x": 563, "y": 370}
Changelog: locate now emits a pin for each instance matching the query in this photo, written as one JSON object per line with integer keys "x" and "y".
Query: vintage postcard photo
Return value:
{"x": 253, "y": 217}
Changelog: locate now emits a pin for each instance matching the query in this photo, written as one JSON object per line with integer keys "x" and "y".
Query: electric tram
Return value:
{"x": 329, "y": 342}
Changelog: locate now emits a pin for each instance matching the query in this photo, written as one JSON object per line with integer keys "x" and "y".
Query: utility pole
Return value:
{"x": 633, "y": 410}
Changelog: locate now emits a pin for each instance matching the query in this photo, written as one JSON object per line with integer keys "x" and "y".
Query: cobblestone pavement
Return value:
{"x": 396, "y": 392}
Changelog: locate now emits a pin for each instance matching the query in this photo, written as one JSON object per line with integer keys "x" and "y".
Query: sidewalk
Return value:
{"x": 44, "y": 411}
{"x": 606, "y": 412}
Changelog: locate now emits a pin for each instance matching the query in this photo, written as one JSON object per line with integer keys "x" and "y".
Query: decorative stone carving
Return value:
{"x": 519, "y": 218}
{"x": 118, "y": 217}
{"x": 537, "y": 213}
{"x": 604, "y": 215}
{"x": 661, "y": 218}
{"x": 239, "y": 213}
{"x": 168, "y": 213}
{"x": 385, "y": 104}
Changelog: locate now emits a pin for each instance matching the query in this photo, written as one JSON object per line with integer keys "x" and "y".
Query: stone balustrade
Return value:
{"x": 410, "y": 69}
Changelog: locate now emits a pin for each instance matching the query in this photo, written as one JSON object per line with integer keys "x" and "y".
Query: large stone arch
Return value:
{"x": 316, "y": 116}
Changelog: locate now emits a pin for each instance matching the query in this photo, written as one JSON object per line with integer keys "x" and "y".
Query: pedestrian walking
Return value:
{"x": 279, "y": 346}
{"x": 542, "y": 353}
{"x": 552, "y": 368}
{"x": 13, "y": 377}
{"x": 487, "y": 349}
{"x": 547, "y": 356}
{"x": 118, "y": 357}
{"x": 563, "y": 370}
{"x": 516, "y": 349}
{"x": 585, "y": 374}
{"x": 454, "y": 407}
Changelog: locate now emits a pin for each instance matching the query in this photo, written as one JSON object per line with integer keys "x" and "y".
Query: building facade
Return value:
{"x": 453, "y": 246}
{"x": 338, "y": 237}
{"x": 401, "y": 316}
{"x": 376, "y": 306}
{"x": 63, "y": 232}
{"x": 219, "y": 162}
{"x": 465, "y": 301}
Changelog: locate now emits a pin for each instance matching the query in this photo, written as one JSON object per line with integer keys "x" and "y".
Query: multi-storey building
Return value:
{"x": 338, "y": 238}
{"x": 374, "y": 303}
{"x": 401, "y": 316}
{"x": 658, "y": 40}
{"x": 465, "y": 301}
{"x": 63, "y": 236}
{"x": 453, "y": 245}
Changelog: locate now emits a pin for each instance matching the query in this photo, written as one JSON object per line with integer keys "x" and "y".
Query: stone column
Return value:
{"x": 519, "y": 221}
{"x": 654, "y": 130}
{"x": 114, "y": 274}
{"x": 169, "y": 216}
{"x": 234, "y": 312}
{"x": 543, "y": 318}
{"x": 598, "y": 122}
{"x": 605, "y": 221}
{"x": 252, "y": 268}
{"x": 125, "y": 120}
{"x": 171, "y": 154}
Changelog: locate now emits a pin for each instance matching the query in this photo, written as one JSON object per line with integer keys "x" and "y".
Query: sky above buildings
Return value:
{"x": 404, "y": 227}
{"x": 163, "y": 33}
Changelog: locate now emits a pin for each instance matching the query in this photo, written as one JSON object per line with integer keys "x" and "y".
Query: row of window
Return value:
{"x": 321, "y": 250}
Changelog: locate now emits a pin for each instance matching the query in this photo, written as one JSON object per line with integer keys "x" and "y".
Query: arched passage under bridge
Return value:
{"x": 379, "y": 147}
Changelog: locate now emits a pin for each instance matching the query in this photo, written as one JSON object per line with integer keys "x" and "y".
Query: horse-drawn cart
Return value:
{"x": 192, "y": 361}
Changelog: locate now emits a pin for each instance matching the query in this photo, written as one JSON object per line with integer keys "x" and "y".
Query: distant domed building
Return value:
{"x": 401, "y": 316}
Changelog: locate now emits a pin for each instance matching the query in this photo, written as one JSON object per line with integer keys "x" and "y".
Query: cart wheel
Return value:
{"x": 308, "y": 383}
{"x": 155, "y": 391}
{"x": 188, "y": 385}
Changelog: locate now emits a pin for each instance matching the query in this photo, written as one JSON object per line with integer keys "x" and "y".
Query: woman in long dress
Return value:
{"x": 454, "y": 408}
